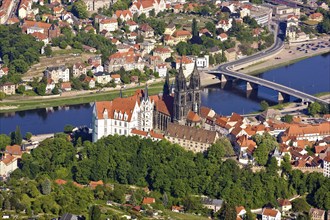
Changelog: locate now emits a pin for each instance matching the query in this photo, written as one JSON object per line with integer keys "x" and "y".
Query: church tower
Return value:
{"x": 195, "y": 90}
{"x": 166, "y": 88}
{"x": 180, "y": 93}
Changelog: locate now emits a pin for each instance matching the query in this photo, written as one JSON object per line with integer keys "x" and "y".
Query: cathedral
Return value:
{"x": 147, "y": 113}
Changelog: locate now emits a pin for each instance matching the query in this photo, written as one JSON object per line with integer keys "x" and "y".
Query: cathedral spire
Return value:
{"x": 180, "y": 79}
{"x": 195, "y": 80}
{"x": 146, "y": 96}
{"x": 166, "y": 88}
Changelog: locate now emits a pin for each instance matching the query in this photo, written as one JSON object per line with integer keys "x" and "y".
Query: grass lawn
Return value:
{"x": 20, "y": 105}
{"x": 184, "y": 216}
{"x": 66, "y": 51}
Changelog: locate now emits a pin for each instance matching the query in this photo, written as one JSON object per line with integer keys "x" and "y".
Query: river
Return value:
{"x": 311, "y": 75}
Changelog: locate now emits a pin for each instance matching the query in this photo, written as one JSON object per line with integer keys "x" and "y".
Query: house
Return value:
{"x": 162, "y": 52}
{"x": 206, "y": 32}
{"x": 90, "y": 81}
{"x": 124, "y": 15}
{"x": 273, "y": 114}
{"x": 41, "y": 37}
{"x": 116, "y": 78}
{"x": 50, "y": 85}
{"x": 134, "y": 79}
{"x": 271, "y": 214}
{"x": 222, "y": 37}
{"x": 187, "y": 64}
{"x": 132, "y": 25}
{"x": 326, "y": 165}
{"x": 148, "y": 200}
{"x": 240, "y": 212}
{"x": 128, "y": 60}
{"x": 168, "y": 40}
{"x": 231, "y": 54}
{"x": 24, "y": 8}
{"x": 8, "y": 88}
{"x": 3, "y": 71}
{"x": 89, "y": 49}
{"x": 146, "y": 31}
{"x": 224, "y": 24}
{"x": 95, "y": 60}
{"x": 161, "y": 69}
{"x": 317, "y": 214}
{"x": 14, "y": 150}
{"x": 178, "y": 209}
{"x": 181, "y": 36}
{"x": 60, "y": 182}
{"x": 110, "y": 25}
{"x": 66, "y": 86}
{"x": 202, "y": 62}
{"x": 284, "y": 205}
{"x": 68, "y": 216}
{"x": 7, "y": 165}
{"x": 146, "y": 6}
{"x": 94, "y": 5}
{"x": 170, "y": 29}
{"x": 79, "y": 69}
{"x": 213, "y": 204}
{"x": 94, "y": 184}
{"x": 57, "y": 73}
{"x": 102, "y": 77}
{"x": 316, "y": 17}
{"x": 51, "y": 30}
{"x": 191, "y": 138}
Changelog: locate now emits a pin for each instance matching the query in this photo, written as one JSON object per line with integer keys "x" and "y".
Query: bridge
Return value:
{"x": 229, "y": 70}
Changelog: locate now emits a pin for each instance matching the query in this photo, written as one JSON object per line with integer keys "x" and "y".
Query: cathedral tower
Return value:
{"x": 195, "y": 89}
{"x": 180, "y": 93}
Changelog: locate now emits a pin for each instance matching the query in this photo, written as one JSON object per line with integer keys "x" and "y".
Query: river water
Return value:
{"x": 311, "y": 76}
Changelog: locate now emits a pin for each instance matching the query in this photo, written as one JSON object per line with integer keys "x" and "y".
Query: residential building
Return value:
{"x": 262, "y": 15}
{"x": 5, "y": 10}
{"x": 7, "y": 165}
{"x": 317, "y": 214}
{"x": 202, "y": 62}
{"x": 57, "y": 73}
{"x": 161, "y": 69}
{"x": 116, "y": 78}
{"x": 187, "y": 65}
{"x": 224, "y": 24}
{"x": 316, "y": 17}
{"x": 326, "y": 165}
{"x": 240, "y": 212}
{"x": 222, "y": 37}
{"x": 284, "y": 205}
{"x": 24, "y": 8}
{"x": 191, "y": 138}
{"x": 145, "y": 6}
{"x": 66, "y": 86}
{"x": 147, "y": 134}
{"x": 132, "y": 25}
{"x": 283, "y": 11}
{"x": 162, "y": 52}
{"x": 93, "y": 5}
{"x": 51, "y": 30}
{"x": 90, "y": 81}
{"x": 3, "y": 71}
{"x": 124, "y": 15}
{"x": 148, "y": 201}
{"x": 110, "y": 24}
{"x": 271, "y": 214}
{"x": 146, "y": 31}
{"x": 181, "y": 36}
{"x": 8, "y": 88}
{"x": 128, "y": 60}
{"x": 50, "y": 85}
{"x": 79, "y": 69}
{"x": 230, "y": 54}
{"x": 213, "y": 204}
{"x": 170, "y": 29}
{"x": 41, "y": 37}
{"x": 147, "y": 46}
{"x": 102, "y": 77}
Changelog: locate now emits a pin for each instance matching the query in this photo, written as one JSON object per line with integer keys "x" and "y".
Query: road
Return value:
{"x": 227, "y": 69}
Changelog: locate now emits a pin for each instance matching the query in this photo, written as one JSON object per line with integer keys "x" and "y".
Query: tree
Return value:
{"x": 300, "y": 205}
{"x": 55, "y": 91}
{"x": 63, "y": 44}
{"x": 48, "y": 50}
{"x": 314, "y": 108}
{"x": 79, "y": 9}
{"x": 152, "y": 13}
{"x": 287, "y": 118}
{"x": 28, "y": 136}
{"x": 261, "y": 154}
{"x": 41, "y": 89}
{"x": 194, "y": 28}
{"x": 46, "y": 187}
{"x": 2, "y": 96}
{"x": 95, "y": 213}
{"x": 4, "y": 141}
{"x": 227, "y": 212}
{"x": 21, "y": 89}
{"x": 219, "y": 149}
{"x": 68, "y": 128}
{"x": 211, "y": 60}
{"x": 18, "y": 136}
{"x": 264, "y": 105}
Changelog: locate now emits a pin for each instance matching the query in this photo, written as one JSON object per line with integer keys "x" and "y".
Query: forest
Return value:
{"x": 169, "y": 169}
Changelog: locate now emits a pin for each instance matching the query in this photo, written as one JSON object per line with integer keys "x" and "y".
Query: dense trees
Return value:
{"x": 170, "y": 169}
{"x": 79, "y": 9}
{"x": 18, "y": 51}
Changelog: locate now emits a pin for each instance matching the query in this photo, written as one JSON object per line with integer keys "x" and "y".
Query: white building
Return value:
{"x": 8, "y": 165}
{"x": 110, "y": 24}
{"x": 326, "y": 165}
{"x": 187, "y": 65}
{"x": 161, "y": 69}
{"x": 271, "y": 214}
{"x": 202, "y": 62}
{"x": 102, "y": 77}
{"x": 57, "y": 73}
{"x": 122, "y": 115}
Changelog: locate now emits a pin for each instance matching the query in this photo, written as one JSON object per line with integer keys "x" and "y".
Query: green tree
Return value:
{"x": 261, "y": 154}
{"x": 95, "y": 213}
{"x": 28, "y": 136}
{"x": 46, "y": 187}
{"x": 41, "y": 89}
{"x": 300, "y": 205}
{"x": 63, "y": 44}
{"x": 287, "y": 118}
{"x": 152, "y": 13}
{"x": 314, "y": 108}
{"x": 68, "y": 128}
{"x": 2, "y": 96}
{"x": 264, "y": 105}
{"x": 18, "y": 136}
{"x": 21, "y": 89}
{"x": 219, "y": 149}
{"x": 194, "y": 28}
{"x": 48, "y": 50}
{"x": 79, "y": 9}
{"x": 4, "y": 141}
{"x": 227, "y": 212}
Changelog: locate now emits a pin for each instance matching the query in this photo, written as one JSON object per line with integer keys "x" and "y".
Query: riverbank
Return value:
{"x": 289, "y": 55}
{"x": 91, "y": 96}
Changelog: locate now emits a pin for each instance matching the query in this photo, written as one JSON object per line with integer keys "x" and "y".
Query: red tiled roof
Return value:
{"x": 180, "y": 33}
{"x": 194, "y": 117}
{"x": 269, "y": 212}
{"x": 60, "y": 182}
{"x": 148, "y": 200}
{"x": 9, "y": 159}
{"x": 94, "y": 184}
{"x": 14, "y": 150}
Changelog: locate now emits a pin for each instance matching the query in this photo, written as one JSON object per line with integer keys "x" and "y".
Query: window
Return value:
{"x": 115, "y": 122}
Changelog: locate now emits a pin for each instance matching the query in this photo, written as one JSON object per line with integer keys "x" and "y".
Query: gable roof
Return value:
{"x": 14, "y": 150}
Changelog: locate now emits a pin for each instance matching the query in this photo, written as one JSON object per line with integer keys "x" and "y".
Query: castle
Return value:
{"x": 146, "y": 113}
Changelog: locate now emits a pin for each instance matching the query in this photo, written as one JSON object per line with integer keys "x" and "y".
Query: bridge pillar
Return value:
{"x": 282, "y": 97}
{"x": 223, "y": 78}
{"x": 249, "y": 86}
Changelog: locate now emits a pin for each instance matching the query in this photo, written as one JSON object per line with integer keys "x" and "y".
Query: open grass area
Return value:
{"x": 67, "y": 51}
{"x": 20, "y": 105}
{"x": 184, "y": 216}
{"x": 322, "y": 94}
